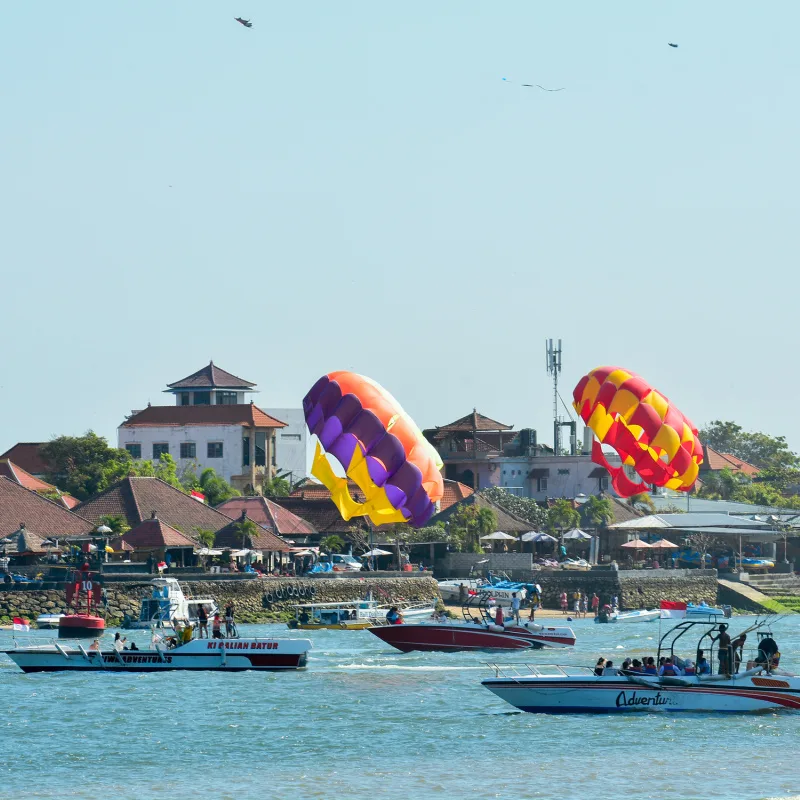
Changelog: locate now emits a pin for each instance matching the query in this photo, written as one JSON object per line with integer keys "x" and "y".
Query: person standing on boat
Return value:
{"x": 737, "y": 649}
{"x": 498, "y": 616}
{"x": 515, "y": 603}
{"x": 724, "y": 650}
{"x": 230, "y": 625}
{"x": 216, "y": 627}
{"x": 202, "y": 619}
{"x": 767, "y": 653}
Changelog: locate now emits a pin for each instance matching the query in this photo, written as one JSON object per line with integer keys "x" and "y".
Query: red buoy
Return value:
{"x": 80, "y": 625}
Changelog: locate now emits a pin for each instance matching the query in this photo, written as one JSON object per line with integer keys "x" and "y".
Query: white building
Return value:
{"x": 292, "y": 453}
{"x": 210, "y": 425}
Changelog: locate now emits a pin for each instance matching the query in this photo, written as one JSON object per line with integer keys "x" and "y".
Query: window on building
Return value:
{"x": 160, "y": 449}
{"x": 291, "y": 437}
{"x": 135, "y": 450}
{"x": 603, "y": 484}
{"x": 245, "y": 451}
{"x": 214, "y": 450}
{"x": 226, "y": 398}
{"x": 202, "y": 398}
{"x": 563, "y": 472}
{"x": 188, "y": 450}
{"x": 184, "y": 398}
{"x": 541, "y": 484}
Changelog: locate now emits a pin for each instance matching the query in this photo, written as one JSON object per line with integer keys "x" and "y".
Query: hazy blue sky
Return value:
{"x": 351, "y": 185}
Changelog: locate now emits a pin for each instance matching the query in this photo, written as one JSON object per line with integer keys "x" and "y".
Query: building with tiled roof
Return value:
{"x": 506, "y": 521}
{"x": 264, "y": 540}
{"x": 135, "y": 499}
{"x": 209, "y": 378}
{"x": 12, "y": 471}
{"x": 714, "y": 461}
{"x": 20, "y": 507}
{"x": 155, "y": 534}
{"x": 268, "y": 514}
{"x": 27, "y": 455}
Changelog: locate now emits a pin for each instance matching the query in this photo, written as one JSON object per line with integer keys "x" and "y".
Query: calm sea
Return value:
{"x": 365, "y": 721}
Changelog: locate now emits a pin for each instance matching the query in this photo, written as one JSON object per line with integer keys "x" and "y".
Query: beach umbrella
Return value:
{"x": 664, "y": 544}
{"x": 537, "y": 536}
{"x": 637, "y": 544}
{"x": 498, "y": 536}
{"x": 377, "y": 552}
{"x": 577, "y": 533}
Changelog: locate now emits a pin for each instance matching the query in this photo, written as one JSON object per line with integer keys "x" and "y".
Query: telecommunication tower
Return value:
{"x": 553, "y": 362}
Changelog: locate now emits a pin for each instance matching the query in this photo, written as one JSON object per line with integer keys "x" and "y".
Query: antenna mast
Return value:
{"x": 553, "y": 362}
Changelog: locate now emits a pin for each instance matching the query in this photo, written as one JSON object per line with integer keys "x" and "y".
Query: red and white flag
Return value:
{"x": 673, "y": 609}
{"x": 199, "y": 496}
{"x": 22, "y": 624}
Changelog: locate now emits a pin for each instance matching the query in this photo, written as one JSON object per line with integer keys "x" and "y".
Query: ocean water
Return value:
{"x": 365, "y": 721}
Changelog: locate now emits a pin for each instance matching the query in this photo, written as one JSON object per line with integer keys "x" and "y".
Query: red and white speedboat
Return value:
{"x": 456, "y": 636}
{"x": 473, "y": 633}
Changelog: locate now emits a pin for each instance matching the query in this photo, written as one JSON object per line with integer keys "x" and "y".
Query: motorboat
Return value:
{"x": 706, "y": 612}
{"x": 579, "y": 564}
{"x": 220, "y": 655}
{"x": 636, "y": 616}
{"x": 577, "y": 689}
{"x": 48, "y": 620}
{"x": 167, "y": 603}
{"x": 477, "y": 631}
{"x": 451, "y": 590}
{"x": 354, "y": 615}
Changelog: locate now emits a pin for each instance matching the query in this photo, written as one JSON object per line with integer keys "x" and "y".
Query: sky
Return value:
{"x": 352, "y": 185}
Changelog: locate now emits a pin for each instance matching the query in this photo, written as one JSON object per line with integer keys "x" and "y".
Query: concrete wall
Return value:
{"x": 292, "y": 452}
{"x": 457, "y": 565}
{"x": 248, "y": 596}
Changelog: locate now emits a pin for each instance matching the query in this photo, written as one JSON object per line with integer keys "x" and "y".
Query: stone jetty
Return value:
{"x": 265, "y": 600}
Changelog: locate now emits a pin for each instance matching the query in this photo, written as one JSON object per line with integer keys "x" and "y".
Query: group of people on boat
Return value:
{"x": 730, "y": 653}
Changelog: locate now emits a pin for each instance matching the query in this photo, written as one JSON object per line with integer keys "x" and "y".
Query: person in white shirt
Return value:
{"x": 610, "y": 669}
{"x": 515, "y": 603}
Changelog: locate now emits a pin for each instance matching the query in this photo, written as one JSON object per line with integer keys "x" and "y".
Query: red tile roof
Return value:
{"x": 135, "y": 499}
{"x": 310, "y": 490}
{"x": 211, "y": 377}
{"x": 153, "y": 534}
{"x": 320, "y": 512}
{"x": 180, "y": 416}
{"x": 264, "y": 511}
{"x": 8, "y": 469}
{"x": 229, "y": 536}
{"x": 69, "y": 501}
{"x": 454, "y": 492}
{"x": 39, "y": 515}
{"x": 714, "y": 461}
{"x": 27, "y": 456}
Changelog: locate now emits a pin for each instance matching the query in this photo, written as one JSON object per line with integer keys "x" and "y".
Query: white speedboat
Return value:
{"x": 636, "y": 616}
{"x": 168, "y": 603}
{"x": 48, "y": 620}
{"x": 220, "y": 655}
{"x": 705, "y": 612}
{"x": 451, "y": 590}
{"x": 570, "y": 689}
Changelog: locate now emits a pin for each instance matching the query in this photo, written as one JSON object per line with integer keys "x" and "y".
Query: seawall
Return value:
{"x": 255, "y": 601}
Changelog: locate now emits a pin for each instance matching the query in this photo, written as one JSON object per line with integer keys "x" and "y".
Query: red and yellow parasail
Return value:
{"x": 645, "y": 429}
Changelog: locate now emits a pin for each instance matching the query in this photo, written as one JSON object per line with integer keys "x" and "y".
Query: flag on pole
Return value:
{"x": 673, "y": 609}
{"x": 199, "y": 496}
{"x": 22, "y": 624}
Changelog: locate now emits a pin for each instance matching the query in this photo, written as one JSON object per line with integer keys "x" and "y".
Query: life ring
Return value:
{"x": 268, "y": 597}
{"x": 279, "y": 593}
{"x": 295, "y": 592}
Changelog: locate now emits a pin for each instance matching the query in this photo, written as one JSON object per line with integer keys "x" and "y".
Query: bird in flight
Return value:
{"x": 245, "y": 22}
{"x": 671, "y": 45}
{"x": 538, "y": 86}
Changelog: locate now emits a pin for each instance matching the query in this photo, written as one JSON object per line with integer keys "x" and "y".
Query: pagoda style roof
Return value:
{"x": 468, "y": 424}
{"x": 211, "y": 377}
{"x": 153, "y": 534}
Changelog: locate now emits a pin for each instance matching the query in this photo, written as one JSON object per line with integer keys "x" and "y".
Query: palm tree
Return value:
{"x": 597, "y": 512}
{"x": 331, "y": 543}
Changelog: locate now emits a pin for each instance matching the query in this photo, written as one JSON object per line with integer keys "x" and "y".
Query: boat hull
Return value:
{"x": 636, "y": 616}
{"x": 232, "y": 655}
{"x": 607, "y": 695}
{"x": 447, "y": 638}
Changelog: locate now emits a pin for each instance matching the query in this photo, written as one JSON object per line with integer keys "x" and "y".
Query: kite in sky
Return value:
{"x": 245, "y": 22}
{"x": 648, "y": 432}
{"x": 538, "y": 86}
{"x": 671, "y": 45}
{"x": 380, "y": 449}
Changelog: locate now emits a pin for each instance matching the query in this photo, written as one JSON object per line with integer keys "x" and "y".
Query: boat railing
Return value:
{"x": 526, "y": 670}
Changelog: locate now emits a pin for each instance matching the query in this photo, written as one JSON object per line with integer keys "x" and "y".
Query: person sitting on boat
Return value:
{"x": 598, "y": 669}
{"x": 650, "y": 667}
{"x": 303, "y": 617}
{"x": 636, "y": 667}
{"x": 768, "y": 655}
{"x": 669, "y": 669}
{"x": 688, "y": 667}
{"x": 702, "y": 667}
{"x": 133, "y": 646}
{"x": 94, "y": 647}
{"x": 610, "y": 669}
{"x": 393, "y": 616}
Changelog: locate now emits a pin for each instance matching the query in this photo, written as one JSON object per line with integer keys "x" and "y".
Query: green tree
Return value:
{"x": 562, "y": 516}
{"x": 468, "y": 523}
{"x": 216, "y": 489}
{"x": 431, "y": 533}
{"x": 118, "y": 524}
{"x": 642, "y": 502}
{"x": 205, "y": 536}
{"x": 246, "y": 531}
{"x": 276, "y": 487}
{"x": 331, "y": 543}
{"x": 597, "y": 512}
{"x": 759, "y": 449}
{"x": 522, "y": 507}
